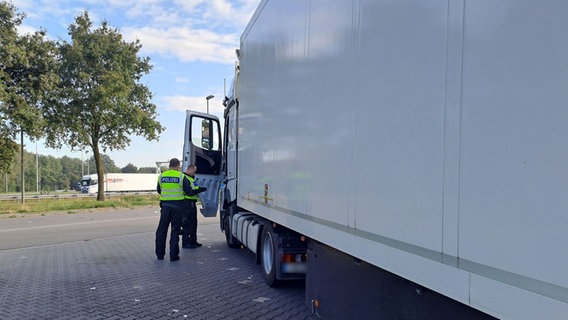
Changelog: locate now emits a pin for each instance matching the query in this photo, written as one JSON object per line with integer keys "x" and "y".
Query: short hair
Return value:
{"x": 174, "y": 162}
{"x": 191, "y": 166}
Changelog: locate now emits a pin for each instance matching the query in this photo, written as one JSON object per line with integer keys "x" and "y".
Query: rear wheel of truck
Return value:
{"x": 269, "y": 255}
{"x": 232, "y": 242}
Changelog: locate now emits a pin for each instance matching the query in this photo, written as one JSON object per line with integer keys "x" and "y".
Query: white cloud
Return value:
{"x": 182, "y": 103}
{"x": 22, "y": 5}
{"x": 24, "y": 29}
{"x": 182, "y": 80}
{"x": 188, "y": 6}
{"x": 150, "y": 12}
{"x": 190, "y": 31}
{"x": 185, "y": 44}
{"x": 220, "y": 13}
{"x": 222, "y": 7}
{"x": 197, "y": 30}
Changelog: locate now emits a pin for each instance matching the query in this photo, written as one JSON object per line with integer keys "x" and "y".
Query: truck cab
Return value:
{"x": 89, "y": 183}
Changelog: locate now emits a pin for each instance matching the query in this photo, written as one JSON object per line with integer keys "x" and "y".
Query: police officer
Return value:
{"x": 172, "y": 187}
{"x": 189, "y": 221}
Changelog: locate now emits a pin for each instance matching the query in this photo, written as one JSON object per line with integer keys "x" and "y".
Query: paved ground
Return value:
{"x": 119, "y": 277}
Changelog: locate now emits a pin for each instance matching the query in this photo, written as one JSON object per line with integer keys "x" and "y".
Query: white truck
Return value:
{"x": 120, "y": 182}
{"x": 410, "y": 158}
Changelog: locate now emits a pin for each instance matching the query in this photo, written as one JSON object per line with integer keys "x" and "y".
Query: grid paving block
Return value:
{"x": 120, "y": 278}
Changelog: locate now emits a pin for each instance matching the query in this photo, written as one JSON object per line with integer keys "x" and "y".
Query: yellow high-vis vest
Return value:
{"x": 193, "y": 187}
{"x": 171, "y": 185}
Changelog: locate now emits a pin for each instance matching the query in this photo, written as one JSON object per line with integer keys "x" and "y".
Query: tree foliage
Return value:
{"x": 108, "y": 164}
{"x": 130, "y": 168}
{"x": 147, "y": 170}
{"x": 54, "y": 173}
{"x": 9, "y": 19}
{"x": 27, "y": 79}
{"x": 101, "y": 102}
{"x": 8, "y": 150}
{"x": 48, "y": 169}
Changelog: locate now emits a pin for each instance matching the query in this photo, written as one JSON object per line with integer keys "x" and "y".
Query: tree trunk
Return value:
{"x": 22, "y": 165}
{"x": 100, "y": 172}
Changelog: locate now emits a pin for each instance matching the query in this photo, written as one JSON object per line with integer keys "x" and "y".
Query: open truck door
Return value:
{"x": 202, "y": 147}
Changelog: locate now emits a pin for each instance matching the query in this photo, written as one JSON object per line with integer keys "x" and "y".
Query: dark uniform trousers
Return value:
{"x": 189, "y": 223}
{"x": 169, "y": 215}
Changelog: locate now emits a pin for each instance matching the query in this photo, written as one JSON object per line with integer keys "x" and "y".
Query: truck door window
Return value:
{"x": 204, "y": 133}
{"x": 206, "y": 139}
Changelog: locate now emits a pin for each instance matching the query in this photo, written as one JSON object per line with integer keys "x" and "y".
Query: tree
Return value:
{"x": 27, "y": 79}
{"x": 108, "y": 164}
{"x": 8, "y": 150}
{"x": 102, "y": 102}
{"x": 29, "y": 172}
{"x": 147, "y": 170}
{"x": 72, "y": 172}
{"x": 9, "y": 20}
{"x": 54, "y": 173}
{"x": 52, "y": 177}
{"x": 130, "y": 168}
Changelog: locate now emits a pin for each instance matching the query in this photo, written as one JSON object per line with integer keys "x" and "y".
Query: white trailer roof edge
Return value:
{"x": 253, "y": 19}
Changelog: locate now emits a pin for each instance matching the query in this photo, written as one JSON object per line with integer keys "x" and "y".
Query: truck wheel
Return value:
{"x": 231, "y": 241}
{"x": 269, "y": 255}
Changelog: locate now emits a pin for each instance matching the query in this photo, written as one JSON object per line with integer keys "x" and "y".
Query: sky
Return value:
{"x": 191, "y": 45}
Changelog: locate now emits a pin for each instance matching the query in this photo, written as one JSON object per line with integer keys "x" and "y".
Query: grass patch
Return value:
{"x": 73, "y": 205}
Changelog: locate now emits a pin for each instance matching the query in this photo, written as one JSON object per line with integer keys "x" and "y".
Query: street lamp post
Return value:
{"x": 209, "y": 97}
{"x": 37, "y": 171}
{"x": 87, "y": 161}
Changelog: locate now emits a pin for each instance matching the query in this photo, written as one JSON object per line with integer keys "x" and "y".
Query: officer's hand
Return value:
{"x": 202, "y": 189}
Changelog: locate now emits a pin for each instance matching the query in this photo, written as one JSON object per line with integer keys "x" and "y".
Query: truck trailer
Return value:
{"x": 409, "y": 159}
{"x": 120, "y": 182}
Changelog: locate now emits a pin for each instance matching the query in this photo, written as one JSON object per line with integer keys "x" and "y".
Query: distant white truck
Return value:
{"x": 120, "y": 182}
{"x": 409, "y": 158}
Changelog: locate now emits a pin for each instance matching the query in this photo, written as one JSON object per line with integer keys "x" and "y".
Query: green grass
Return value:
{"x": 73, "y": 206}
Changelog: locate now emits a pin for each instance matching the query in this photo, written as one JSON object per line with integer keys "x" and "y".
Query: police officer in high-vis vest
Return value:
{"x": 189, "y": 220}
{"x": 173, "y": 186}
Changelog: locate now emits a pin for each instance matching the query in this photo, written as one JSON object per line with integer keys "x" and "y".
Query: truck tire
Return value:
{"x": 232, "y": 242}
{"x": 269, "y": 250}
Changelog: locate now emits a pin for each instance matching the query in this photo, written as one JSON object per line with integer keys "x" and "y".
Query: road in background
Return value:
{"x": 36, "y": 229}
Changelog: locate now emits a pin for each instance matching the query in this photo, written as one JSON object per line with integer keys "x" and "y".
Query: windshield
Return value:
{"x": 88, "y": 182}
